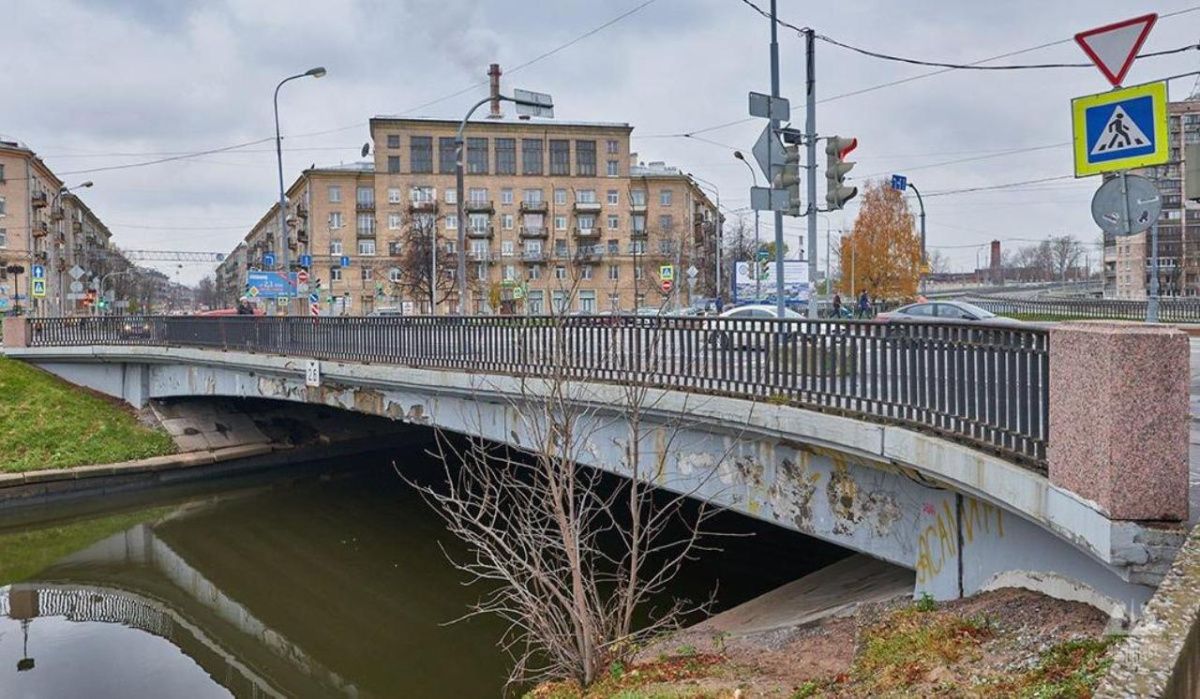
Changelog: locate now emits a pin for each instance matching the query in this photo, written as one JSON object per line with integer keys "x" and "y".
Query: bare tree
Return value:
{"x": 938, "y": 262}
{"x": 577, "y": 567}
{"x": 1064, "y": 252}
{"x": 413, "y": 258}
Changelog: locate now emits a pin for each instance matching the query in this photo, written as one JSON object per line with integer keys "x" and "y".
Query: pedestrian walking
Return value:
{"x": 864, "y": 305}
{"x": 837, "y": 306}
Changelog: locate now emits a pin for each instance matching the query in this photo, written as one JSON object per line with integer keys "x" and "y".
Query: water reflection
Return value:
{"x": 331, "y": 586}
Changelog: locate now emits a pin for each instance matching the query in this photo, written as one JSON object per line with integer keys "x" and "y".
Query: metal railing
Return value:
{"x": 1169, "y": 310}
{"x": 984, "y": 385}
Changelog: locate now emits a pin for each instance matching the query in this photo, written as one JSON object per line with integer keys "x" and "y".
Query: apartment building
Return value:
{"x": 1127, "y": 258}
{"x": 558, "y": 214}
{"x": 40, "y": 224}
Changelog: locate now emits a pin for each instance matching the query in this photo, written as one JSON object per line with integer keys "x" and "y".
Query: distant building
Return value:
{"x": 38, "y": 226}
{"x": 1127, "y": 258}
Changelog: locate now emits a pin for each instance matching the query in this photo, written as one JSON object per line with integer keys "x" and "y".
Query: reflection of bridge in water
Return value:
{"x": 239, "y": 651}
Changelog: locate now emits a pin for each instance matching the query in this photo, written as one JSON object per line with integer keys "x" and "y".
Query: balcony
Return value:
{"x": 38, "y": 200}
{"x": 535, "y": 207}
{"x": 533, "y": 256}
{"x": 76, "y": 227}
{"x": 40, "y": 229}
{"x": 301, "y": 210}
{"x": 534, "y": 232}
{"x": 57, "y": 214}
{"x": 637, "y": 207}
{"x": 366, "y": 207}
{"x": 638, "y": 233}
{"x": 365, "y": 232}
{"x": 426, "y": 206}
{"x": 484, "y": 232}
{"x": 587, "y": 233}
{"x": 587, "y": 207}
{"x": 481, "y": 207}
{"x": 477, "y": 255}
{"x": 588, "y": 253}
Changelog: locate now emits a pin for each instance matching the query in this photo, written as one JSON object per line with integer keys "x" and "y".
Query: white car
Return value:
{"x": 730, "y": 337}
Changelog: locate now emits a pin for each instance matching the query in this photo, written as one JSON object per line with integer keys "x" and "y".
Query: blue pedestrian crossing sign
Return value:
{"x": 1120, "y": 129}
{"x": 39, "y": 288}
{"x": 306, "y": 261}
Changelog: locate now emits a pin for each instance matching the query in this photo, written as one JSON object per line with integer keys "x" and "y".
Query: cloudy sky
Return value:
{"x": 94, "y": 84}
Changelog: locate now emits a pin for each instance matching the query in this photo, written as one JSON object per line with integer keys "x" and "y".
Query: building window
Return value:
{"x": 638, "y": 223}
{"x": 393, "y": 140}
{"x": 477, "y": 195}
{"x": 614, "y": 272}
{"x": 560, "y": 197}
{"x": 560, "y": 157}
{"x": 366, "y": 247}
{"x": 638, "y": 197}
{"x": 477, "y": 156}
{"x": 506, "y": 196}
{"x": 506, "y": 222}
{"x": 560, "y": 272}
{"x": 393, "y": 164}
{"x": 367, "y": 273}
{"x": 506, "y": 156}
{"x": 587, "y": 301}
{"x": 420, "y": 157}
{"x": 451, "y": 195}
{"x": 535, "y": 272}
{"x": 335, "y": 220}
{"x": 365, "y": 195}
{"x": 664, "y": 197}
{"x": 1, "y": 172}
{"x": 394, "y": 195}
{"x": 535, "y": 298}
{"x": 560, "y": 248}
{"x": 637, "y": 247}
{"x": 560, "y": 223}
{"x": 585, "y": 196}
{"x": 335, "y": 274}
{"x": 586, "y": 272}
{"x": 393, "y": 222}
{"x": 335, "y": 248}
{"x": 640, "y": 300}
{"x": 3, "y": 238}
{"x": 586, "y": 222}
{"x": 585, "y": 158}
{"x": 614, "y": 222}
{"x": 614, "y": 247}
{"x": 335, "y": 194}
{"x": 366, "y": 224}
{"x": 394, "y": 275}
{"x": 612, "y": 169}
{"x": 614, "y": 197}
{"x": 451, "y": 222}
{"x": 510, "y": 273}
{"x": 422, "y": 195}
{"x": 666, "y": 222}
{"x": 639, "y": 272}
{"x": 531, "y": 156}
{"x": 481, "y": 271}
{"x": 447, "y": 155}
{"x": 506, "y": 248}
{"x": 479, "y": 222}
{"x": 395, "y": 248}
{"x": 612, "y": 146}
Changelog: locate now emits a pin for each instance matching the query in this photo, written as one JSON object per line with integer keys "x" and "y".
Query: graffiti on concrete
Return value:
{"x": 938, "y": 542}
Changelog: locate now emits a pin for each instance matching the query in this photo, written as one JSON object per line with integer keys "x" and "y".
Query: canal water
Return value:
{"x": 328, "y": 580}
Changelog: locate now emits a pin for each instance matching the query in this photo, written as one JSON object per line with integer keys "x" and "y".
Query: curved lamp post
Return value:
{"x": 317, "y": 72}
{"x": 753, "y": 178}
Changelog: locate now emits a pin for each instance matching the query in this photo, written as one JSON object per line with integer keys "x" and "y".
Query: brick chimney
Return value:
{"x": 494, "y": 77}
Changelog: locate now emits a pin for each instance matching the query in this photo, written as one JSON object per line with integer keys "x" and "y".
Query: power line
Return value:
{"x": 1000, "y": 154}
{"x": 964, "y": 190}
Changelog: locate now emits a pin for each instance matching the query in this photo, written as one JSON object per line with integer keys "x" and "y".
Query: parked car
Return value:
{"x": 385, "y": 313}
{"x": 935, "y": 311}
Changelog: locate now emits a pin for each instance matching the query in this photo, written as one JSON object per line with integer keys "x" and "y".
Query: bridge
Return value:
{"x": 979, "y": 456}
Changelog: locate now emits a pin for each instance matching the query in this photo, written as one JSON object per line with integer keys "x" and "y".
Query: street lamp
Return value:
{"x": 317, "y": 72}
{"x": 754, "y": 178}
{"x": 57, "y": 247}
{"x": 900, "y": 182}
{"x": 532, "y": 103}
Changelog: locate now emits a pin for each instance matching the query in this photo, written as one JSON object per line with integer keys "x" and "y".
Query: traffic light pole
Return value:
{"x": 810, "y": 137}
{"x": 779, "y": 304}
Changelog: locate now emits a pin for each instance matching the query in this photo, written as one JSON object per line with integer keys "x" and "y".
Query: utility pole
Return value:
{"x": 779, "y": 305}
{"x": 924, "y": 257}
{"x": 810, "y": 137}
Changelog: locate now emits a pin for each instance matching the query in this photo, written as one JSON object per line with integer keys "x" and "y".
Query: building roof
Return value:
{"x": 656, "y": 168}
{"x": 357, "y": 166}
{"x": 506, "y": 120}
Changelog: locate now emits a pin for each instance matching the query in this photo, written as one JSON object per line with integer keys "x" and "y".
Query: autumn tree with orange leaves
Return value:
{"x": 882, "y": 255}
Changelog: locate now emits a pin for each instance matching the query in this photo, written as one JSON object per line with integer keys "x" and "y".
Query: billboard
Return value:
{"x": 749, "y": 275}
{"x": 270, "y": 285}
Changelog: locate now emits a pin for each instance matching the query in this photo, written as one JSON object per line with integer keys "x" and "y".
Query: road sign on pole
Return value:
{"x": 899, "y": 182}
{"x": 1114, "y": 47}
{"x": 1126, "y": 205}
{"x": 39, "y": 288}
{"x": 302, "y": 276}
{"x": 1120, "y": 129}
{"x": 37, "y": 272}
{"x": 768, "y": 152}
{"x": 345, "y": 261}
{"x": 769, "y": 107}
{"x": 306, "y": 261}
{"x": 666, "y": 273}
{"x": 666, "y": 286}
{"x": 268, "y": 259}
{"x": 76, "y": 272}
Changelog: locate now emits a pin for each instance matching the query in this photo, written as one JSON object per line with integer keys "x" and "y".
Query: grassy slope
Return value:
{"x": 48, "y": 423}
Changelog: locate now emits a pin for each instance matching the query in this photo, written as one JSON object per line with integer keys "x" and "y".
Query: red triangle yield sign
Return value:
{"x": 1113, "y": 47}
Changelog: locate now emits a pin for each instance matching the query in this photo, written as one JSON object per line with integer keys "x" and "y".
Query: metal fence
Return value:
{"x": 1169, "y": 310}
{"x": 986, "y": 385}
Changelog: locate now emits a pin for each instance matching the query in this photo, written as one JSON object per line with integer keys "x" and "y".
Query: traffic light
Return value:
{"x": 789, "y": 178}
{"x": 836, "y": 167}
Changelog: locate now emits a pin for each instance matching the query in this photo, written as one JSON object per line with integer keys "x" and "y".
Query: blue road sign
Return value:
{"x": 38, "y": 272}
{"x": 268, "y": 259}
{"x": 899, "y": 182}
{"x": 313, "y": 298}
{"x": 271, "y": 285}
{"x": 764, "y": 255}
{"x": 345, "y": 261}
{"x": 3, "y": 303}
{"x": 1120, "y": 129}
{"x": 306, "y": 261}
